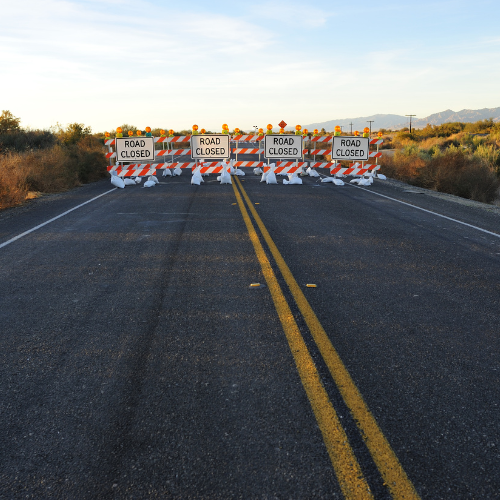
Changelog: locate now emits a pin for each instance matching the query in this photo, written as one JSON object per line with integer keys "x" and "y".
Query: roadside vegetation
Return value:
{"x": 457, "y": 158}
{"x": 33, "y": 162}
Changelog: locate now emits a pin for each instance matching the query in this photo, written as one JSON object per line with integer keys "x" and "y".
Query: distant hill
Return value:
{"x": 396, "y": 122}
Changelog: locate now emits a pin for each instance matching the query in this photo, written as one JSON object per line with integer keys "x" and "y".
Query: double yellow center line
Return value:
{"x": 345, "y": 464}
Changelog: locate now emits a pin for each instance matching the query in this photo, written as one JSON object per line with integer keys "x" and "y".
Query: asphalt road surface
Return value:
{"x": 137, "y": 361}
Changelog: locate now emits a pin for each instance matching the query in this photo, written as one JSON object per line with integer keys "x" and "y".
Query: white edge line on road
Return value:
{"x": 8, "y": 242}
{"x": 428, "y": 211}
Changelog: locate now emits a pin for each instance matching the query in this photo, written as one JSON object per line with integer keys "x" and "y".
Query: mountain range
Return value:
{"x": 396, "y": 122}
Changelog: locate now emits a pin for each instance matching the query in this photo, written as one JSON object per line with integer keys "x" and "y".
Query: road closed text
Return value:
{"x": 283, "y": 146}
{"x": 350, "y": 148}
{"x": 135, "y": 149}
{"x": 210, "y": 146}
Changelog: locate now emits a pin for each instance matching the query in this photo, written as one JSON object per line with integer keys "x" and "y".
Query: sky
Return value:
{"x": 172, "y": 64}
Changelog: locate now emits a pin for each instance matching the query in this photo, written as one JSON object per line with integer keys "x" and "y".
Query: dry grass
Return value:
{"x": 23, "y": 175}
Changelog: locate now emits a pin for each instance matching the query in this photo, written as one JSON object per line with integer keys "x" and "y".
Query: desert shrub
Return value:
{"x": 432, "y": 142}
{"x": 12, "y": 189}
{"x": 480, "y": 127}
{"x": 50, "y": 170}
{"x": 26, "y": 140}
{"x": 489, "y": 153}
{"x": 403, "y": 166}
{"x": 454, "y": 171}
{"x": 465, "y": 175}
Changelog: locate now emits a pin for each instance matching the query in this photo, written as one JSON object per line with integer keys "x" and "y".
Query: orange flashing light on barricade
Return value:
{"x": 380, "y": 134}
{"x": 298, "y": 129}
{"x": 202, "y": 131}
{"x": 356, "y": 133}
{"x": 269, "y": 129}
{"x": 139, "y": 133}
{"x": 130, "y": 133}
{"x": 170, "y": 133}
{"x": 119, "y": 132}
{"x": 315, "y": 132}
{"x": 195, "y": 129}
{"x": 225, "y": 129}
{"x": 282, "y": 131}
{"x": 338, "y": 130}
{"x": 162, "y": 133}
{"x": 366, "y": 132}
{"x": 148, "y": 131}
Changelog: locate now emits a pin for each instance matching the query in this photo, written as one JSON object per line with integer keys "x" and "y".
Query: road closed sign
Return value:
{"x": 286, "y": 147}
{"x": 350, "y": 148}
{"x": 210, "y": 147}
{"x": 135, "y": 149}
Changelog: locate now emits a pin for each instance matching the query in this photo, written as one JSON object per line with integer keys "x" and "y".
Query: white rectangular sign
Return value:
{"x": 210, "y": 146}
{"x": 286, "y": 146}
{"x": 350, "y": 148}
{"x": 135, "y": 149}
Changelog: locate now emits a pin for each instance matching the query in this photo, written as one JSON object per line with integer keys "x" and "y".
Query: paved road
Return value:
{"x": 137, "y": 361}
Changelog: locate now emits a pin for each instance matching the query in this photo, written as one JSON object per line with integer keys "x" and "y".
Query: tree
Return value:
{"x": 126, "y": 127}
{"x": 8, "y": 122}
{"x": 73, "y": 133}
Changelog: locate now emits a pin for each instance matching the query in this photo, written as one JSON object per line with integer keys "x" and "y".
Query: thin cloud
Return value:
{"x": 292, "y": 14}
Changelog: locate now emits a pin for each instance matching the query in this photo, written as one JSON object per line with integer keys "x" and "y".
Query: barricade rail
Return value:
{"x": 207, "y": 167}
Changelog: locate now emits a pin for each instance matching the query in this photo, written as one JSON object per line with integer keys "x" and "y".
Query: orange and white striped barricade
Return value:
{"x": 246, "y": 138}
{"x": 248, "y": 164}
{"x": 365, "y": 169}
{"x": 355, "y": 169}
{"x": 208, "y": 167}
{"x": 132, "y": 172}
{"x": 324, "y": 164}
{"x": 287, "y": 167}
{"x": 175, "y": 139}
{"x": 172, "y": 153}
{"x": 322, "y": 138}
{"x": 247, "y": 151}
{"x": 315, "y": 152}
{"x": 187, "y": 164}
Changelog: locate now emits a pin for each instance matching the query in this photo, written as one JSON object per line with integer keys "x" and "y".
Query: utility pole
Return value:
{"x": 351, "y": 126}
{"x": 370, "y": 122}
{"x": 410, "y": 120}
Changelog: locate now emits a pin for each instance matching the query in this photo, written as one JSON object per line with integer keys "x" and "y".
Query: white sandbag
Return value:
{"x": 333, "y": 180}
{"x": 117, "y": 181}
{"x": 197, "y": 179}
